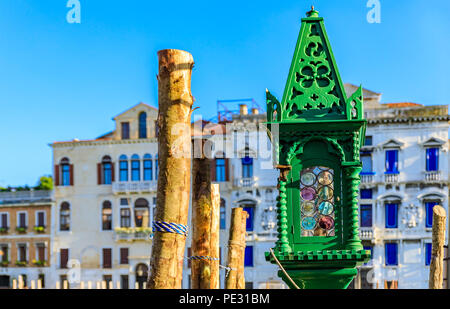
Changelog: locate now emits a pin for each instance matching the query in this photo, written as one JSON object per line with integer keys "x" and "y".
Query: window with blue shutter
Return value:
{"x": 366, "y": 160}
{"x": 392, "y": 161}
{"x": 220, "y": 169}
{"x": 247, "y": 167}
{"x": 366, "y": 215}
{"x": 250, "y": 211}
{"x": 135, "y": 168}
{"x": 427, "y": 254}
{"x": 248, "y": 260}
{"x": 432, "y": 159}
{"x": 148, "y": 167}
{"x": 429, "y": 213}
{"x": 123, "y": 168}
{"x": 366, "y": 194}
{"x": 391, "y": 254}
{"x": 391, "y": 215}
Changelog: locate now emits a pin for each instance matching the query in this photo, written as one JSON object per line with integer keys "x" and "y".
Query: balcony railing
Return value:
{"x": 133, "y": 234}
{"x": 134, "y": 187}
{"x": 246, "y": 182}
{"x": 433, "y": 176}
{"x": 391, "y": 178}
{"x": 367, "y": 178}
{"x": 25, "y": 197}
{"x": 366, "y": 233}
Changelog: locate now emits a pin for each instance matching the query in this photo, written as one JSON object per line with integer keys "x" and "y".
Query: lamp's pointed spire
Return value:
{"x": 314, "y": 89}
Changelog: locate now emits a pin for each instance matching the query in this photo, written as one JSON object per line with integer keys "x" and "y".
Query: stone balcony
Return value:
{"x": 25, "y": 197}
{"x": 131, "y": 234}
{"x": 432, "y": 176}
{"x": 367, "y": 178}
{"x": 246, "y": 182}
{"x": 134, "y": 187}
{"x": 391, "y": 178}
{"x": 366, "y": 233}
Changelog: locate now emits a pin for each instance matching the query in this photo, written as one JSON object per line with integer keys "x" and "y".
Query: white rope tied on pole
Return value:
{"x": 282, "y": 269}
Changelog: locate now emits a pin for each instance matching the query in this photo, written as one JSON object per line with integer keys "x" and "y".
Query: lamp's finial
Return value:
{"x": 313, "y": 12}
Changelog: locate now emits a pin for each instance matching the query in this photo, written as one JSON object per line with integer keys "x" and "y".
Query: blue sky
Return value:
{"x": 60, "y": 81}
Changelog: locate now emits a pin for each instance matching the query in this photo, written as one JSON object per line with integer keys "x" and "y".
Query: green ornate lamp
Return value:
{"x": 320, "y": 135}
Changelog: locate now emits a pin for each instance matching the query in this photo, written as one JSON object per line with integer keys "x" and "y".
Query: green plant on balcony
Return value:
{"x": 144, "y": 230}
{"x": 124, "y": 230}
{"x": 4, "y": 263}
{"x": 21, "y": 263}
{"x": 39, "y": 263}
{"x": 39, "y": 229}
{"x": 21, "y": 229}
{"x": 3, "y": 230}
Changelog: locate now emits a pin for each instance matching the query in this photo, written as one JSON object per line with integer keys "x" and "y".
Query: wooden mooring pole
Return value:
{"x": 437, "y": 248}
{"x": 174, "y": 150}
{"x": 236, "y": 250}
{"x": 205, "y": 227}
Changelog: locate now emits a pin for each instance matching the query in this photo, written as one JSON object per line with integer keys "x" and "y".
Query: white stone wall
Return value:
{"x": 411, "y": 190}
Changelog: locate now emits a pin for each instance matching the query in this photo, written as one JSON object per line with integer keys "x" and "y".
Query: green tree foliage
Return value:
{"x": 45, "y": 183}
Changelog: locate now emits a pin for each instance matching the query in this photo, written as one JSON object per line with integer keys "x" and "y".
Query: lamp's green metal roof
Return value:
{"x": 314, "y": 89}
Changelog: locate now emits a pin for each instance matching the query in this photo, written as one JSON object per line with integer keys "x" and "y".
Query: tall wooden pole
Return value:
{"x": 437, "y": 248}
{"x": 236, "y": 249}
{"x": 205, "y": 227}
{"x": 174, "y": 151}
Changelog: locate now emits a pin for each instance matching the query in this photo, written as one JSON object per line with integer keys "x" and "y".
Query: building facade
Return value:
{"x": 105, "y": 192}
{"x": 25, "y": 238}
{"x": 405, "y": 173}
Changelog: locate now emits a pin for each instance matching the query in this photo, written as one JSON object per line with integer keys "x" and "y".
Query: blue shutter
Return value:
{"x": 366, "y": 215}
{"x": 392, "y": 161}
{"x": 428, "y": 254}
{"x": 432, "y": 159}
{"x": 247, "y": 167}
{"x": 248, "y": 260}
{"x": 249, "y": 210}
{"x": 429, "y": 213}
{"x": 391, "y": 254}
{"x": 391, "y": 215}
{"x": 366, "y": 194}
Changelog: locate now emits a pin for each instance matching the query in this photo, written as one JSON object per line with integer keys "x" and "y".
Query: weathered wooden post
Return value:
{"x": 437, "y": 248}
{"x": 205, "y": 227}
{"x": 236, "y": 250}
{"x": 174, "y": 150}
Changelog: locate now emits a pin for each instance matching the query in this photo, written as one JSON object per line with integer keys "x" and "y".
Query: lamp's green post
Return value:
{"x": 320, "y": 134}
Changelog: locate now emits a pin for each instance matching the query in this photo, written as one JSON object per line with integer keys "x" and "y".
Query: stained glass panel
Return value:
{"x": 317, "y": 201}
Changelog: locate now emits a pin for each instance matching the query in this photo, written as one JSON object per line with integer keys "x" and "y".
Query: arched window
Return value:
{"x": 148, "y": 167}
{"x": 123, "y": 168}
{"x": 135, "y": 168}
{"x": 64, "y": 217}
{"x": 223, "y": 214}
{"x": 65, "y": 172}
{"x": 106, "y": 216}
{"x": 141, "y": 213}
{"x": 141, "y": 275}
{"x": 107, "y": 170}
{"x": 143, "y": 125}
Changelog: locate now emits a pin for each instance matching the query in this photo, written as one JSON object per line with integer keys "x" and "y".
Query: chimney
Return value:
{"x": 255, "y": 111}
{"x": 243, "y": 109}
